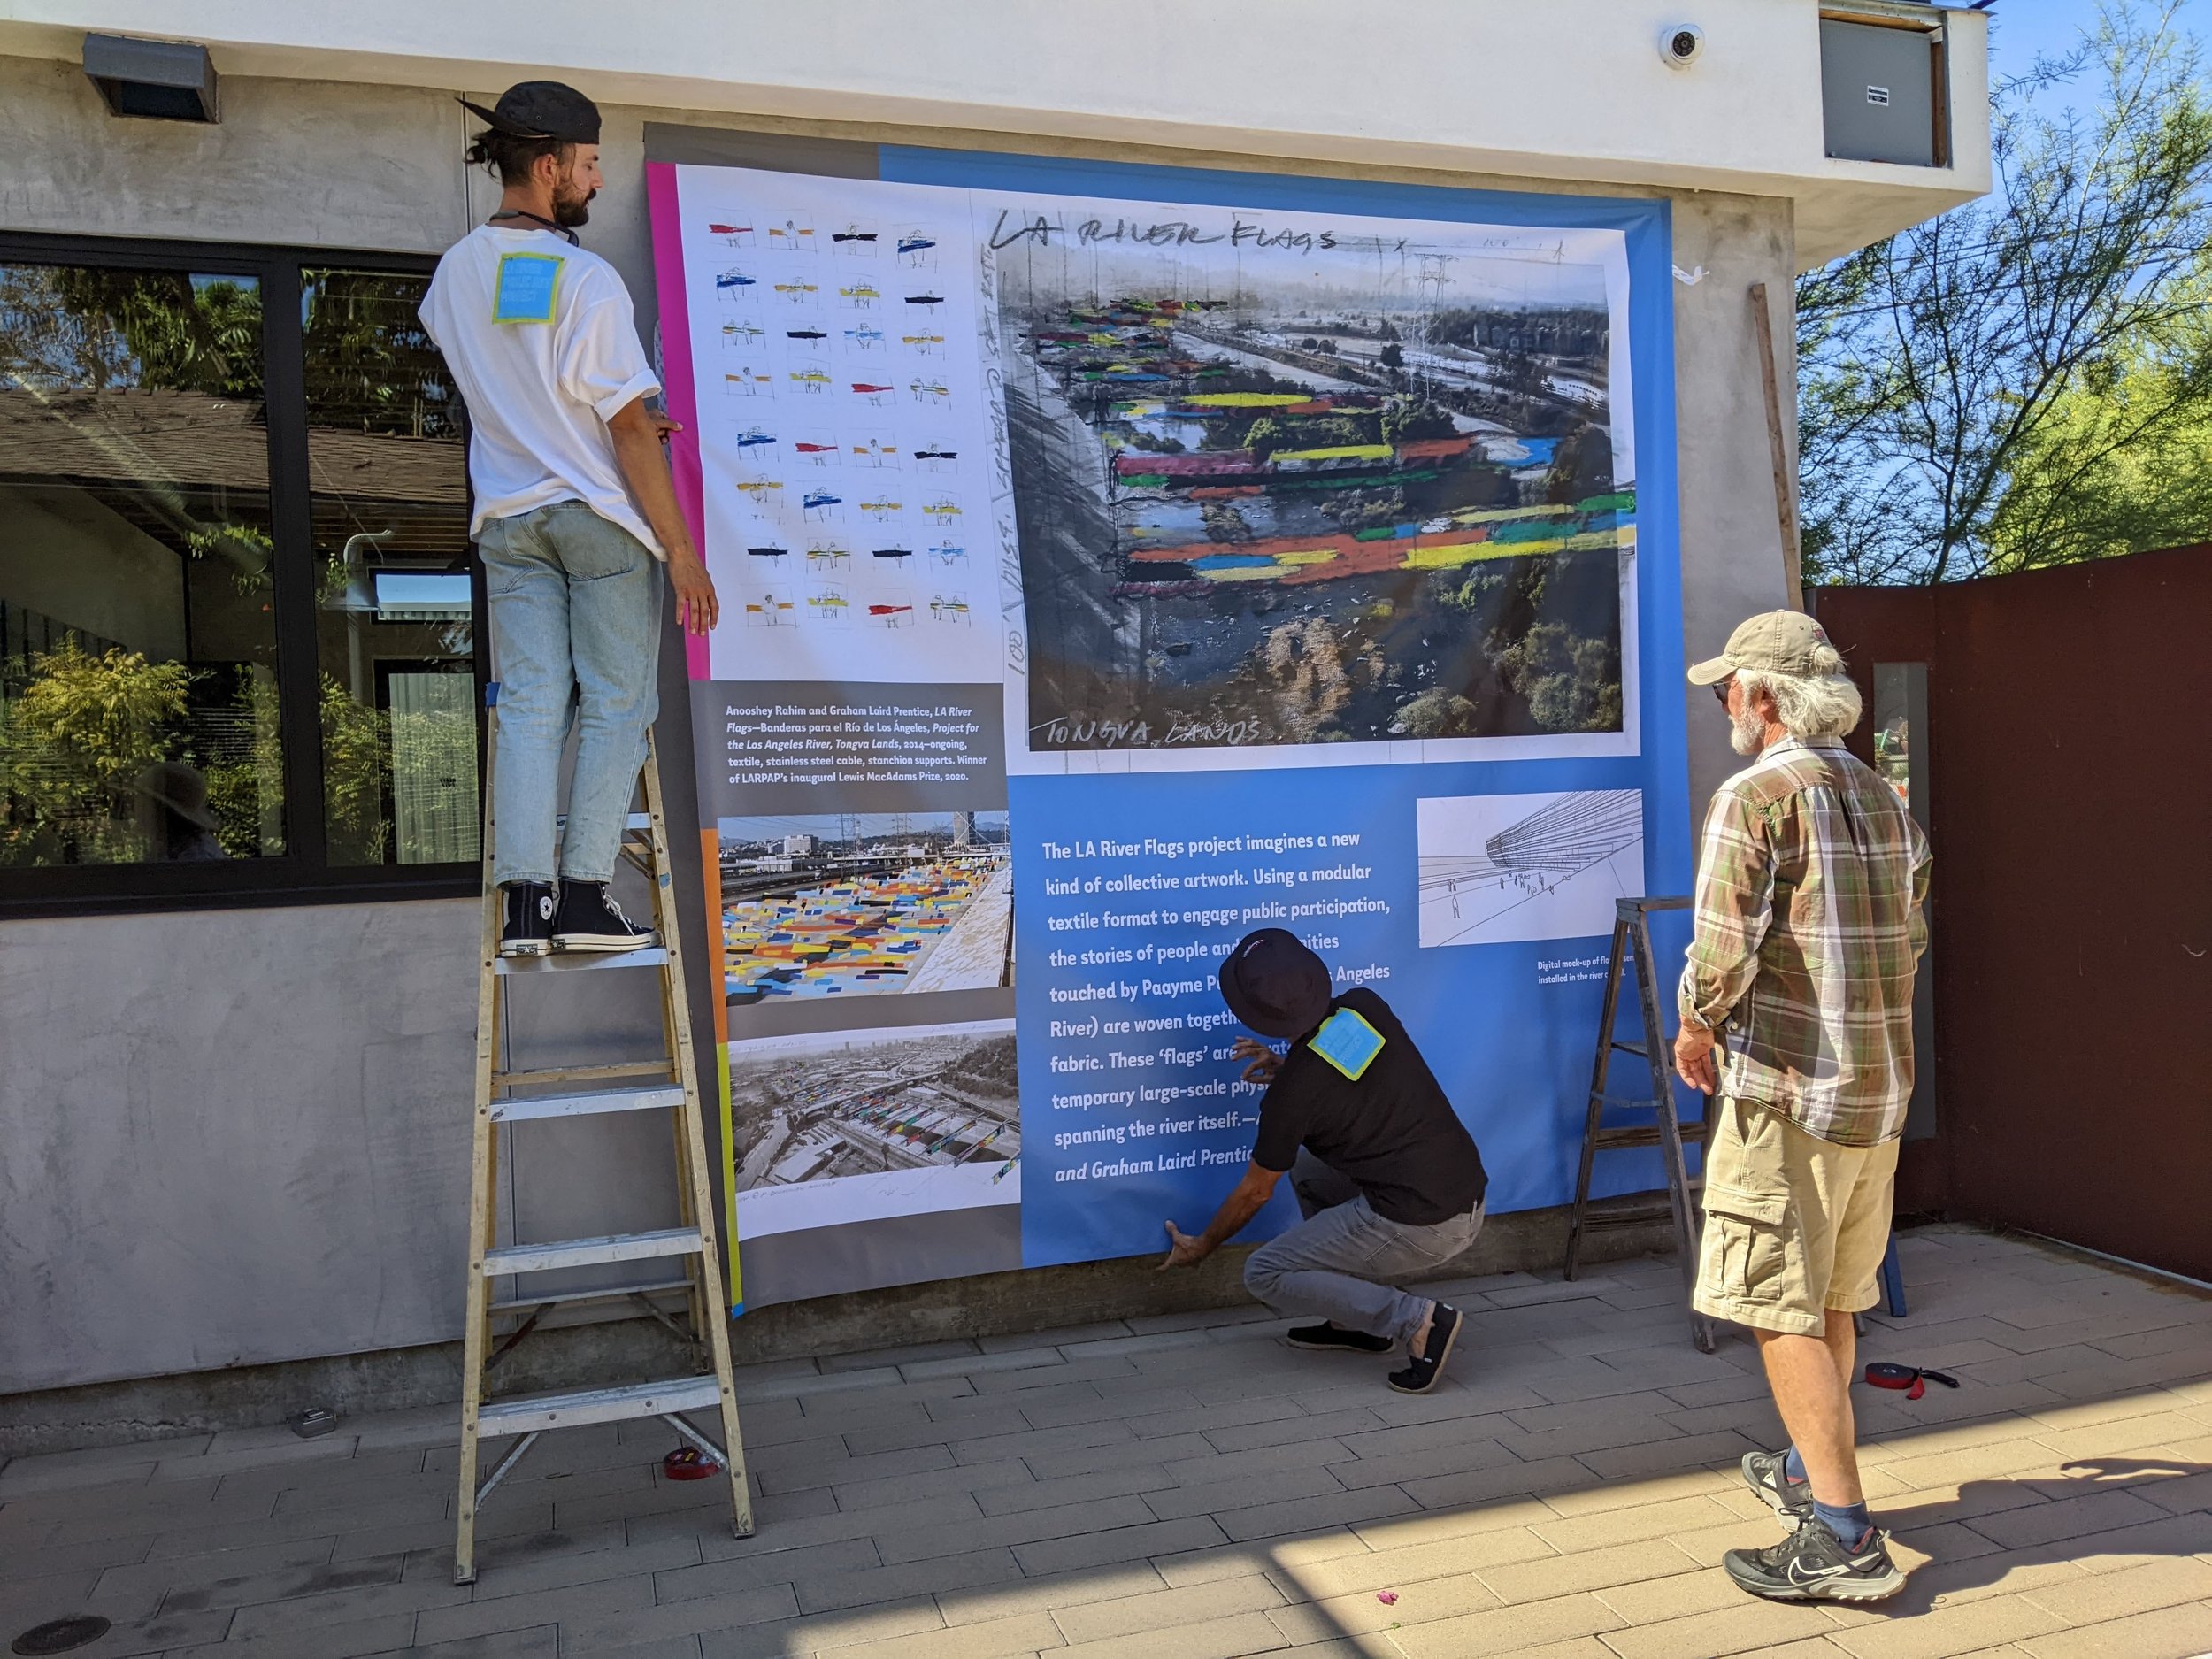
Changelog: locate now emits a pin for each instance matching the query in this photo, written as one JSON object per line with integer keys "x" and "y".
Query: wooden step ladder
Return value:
{"x": 504, "y": 1097}
{"x": 1632, "y": 942}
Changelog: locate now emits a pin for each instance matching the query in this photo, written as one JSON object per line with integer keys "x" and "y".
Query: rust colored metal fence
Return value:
{"x": 2068, "y": 775}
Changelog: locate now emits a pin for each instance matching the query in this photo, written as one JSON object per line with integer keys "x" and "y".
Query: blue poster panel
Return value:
{"x": 1116, "y": 559}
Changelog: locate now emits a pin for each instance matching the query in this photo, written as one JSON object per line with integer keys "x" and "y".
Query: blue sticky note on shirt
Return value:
{"x": 1346, "y": 1042}
{"x": 526, "y": 287}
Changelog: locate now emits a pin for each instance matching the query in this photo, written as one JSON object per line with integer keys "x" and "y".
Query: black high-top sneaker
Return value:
{"x": 589, "y": 919}
{"x": 526, "y": 923}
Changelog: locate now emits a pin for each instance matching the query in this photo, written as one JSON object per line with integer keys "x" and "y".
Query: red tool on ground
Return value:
{"x": 1884, "y": 1374}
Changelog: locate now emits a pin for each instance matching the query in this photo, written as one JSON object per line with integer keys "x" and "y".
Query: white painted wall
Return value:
{"x": 1562, "y": 90}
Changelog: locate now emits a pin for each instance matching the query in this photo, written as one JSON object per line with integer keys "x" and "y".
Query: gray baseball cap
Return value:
{"x": 1772, "y": 642}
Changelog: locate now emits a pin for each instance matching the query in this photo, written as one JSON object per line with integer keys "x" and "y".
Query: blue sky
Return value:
{"x": 2019, "y": 29}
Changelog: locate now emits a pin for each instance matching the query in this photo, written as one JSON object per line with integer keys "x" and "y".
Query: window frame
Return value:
{"x": 302, "y": 874}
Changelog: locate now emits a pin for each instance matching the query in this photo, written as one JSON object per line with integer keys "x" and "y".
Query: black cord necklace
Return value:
{"x": 574, "y": 241}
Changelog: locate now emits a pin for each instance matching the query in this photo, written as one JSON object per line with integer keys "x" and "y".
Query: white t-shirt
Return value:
{"x": 543, "y": 384}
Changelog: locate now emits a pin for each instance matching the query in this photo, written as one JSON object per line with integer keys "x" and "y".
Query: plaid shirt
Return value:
{"x": 1811, "y": 889}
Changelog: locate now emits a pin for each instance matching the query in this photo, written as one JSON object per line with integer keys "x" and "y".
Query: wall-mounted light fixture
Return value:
{"x": 163, "y": 81}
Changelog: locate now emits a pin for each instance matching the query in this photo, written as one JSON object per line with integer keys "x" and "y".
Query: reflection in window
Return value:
{"x": 1900, "y": 711}
{"x": 138, "y": 703}
{"x": 395, "y": 625}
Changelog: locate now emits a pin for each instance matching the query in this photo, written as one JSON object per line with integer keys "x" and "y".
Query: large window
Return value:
{"x": 238, "y": 639}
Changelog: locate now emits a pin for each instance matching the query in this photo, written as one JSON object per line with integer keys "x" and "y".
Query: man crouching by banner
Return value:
{"x": 1388, "y": 1177}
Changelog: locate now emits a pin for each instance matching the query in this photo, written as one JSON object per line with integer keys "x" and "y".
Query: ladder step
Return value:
{"x": 528, "y": 1413}
{"x": 605, "y": 1293}
{"x": 1627, "y": 1210}
{"x": 618, "y": 1247}
{"x": 581, "y": 1073}
{"x": 586, "y": 1103}
{"x": 635, "y": 821}
{"x": 576, "y": 961}
{"x": 1623, "y": 1137}
{"x": 1631, "y": 1047}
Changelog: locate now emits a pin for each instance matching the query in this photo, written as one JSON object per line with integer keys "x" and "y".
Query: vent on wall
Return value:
{"x": 1883, "y": 87}
{"x": 162, "y": 80}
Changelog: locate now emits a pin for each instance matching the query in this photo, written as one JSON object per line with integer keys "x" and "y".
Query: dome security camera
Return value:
{"x": 1681, "y": 44}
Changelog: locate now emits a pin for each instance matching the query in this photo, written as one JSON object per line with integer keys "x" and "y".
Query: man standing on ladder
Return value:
{"x": 574, "y": 511}
{"x": 1811, "y": 921}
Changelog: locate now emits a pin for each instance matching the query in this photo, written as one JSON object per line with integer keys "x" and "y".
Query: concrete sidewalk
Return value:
{"x": 1187, "y": 1487}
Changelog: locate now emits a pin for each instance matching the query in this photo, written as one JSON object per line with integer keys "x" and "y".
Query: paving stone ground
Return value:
{"x": 1187, "y": 1487}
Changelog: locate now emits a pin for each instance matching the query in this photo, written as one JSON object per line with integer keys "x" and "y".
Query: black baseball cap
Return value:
{"x": 1274, "y": 984}
{"x": 541, "y": 109}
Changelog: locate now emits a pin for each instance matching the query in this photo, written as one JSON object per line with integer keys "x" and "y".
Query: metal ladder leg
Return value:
{"x": 483, "y": 1194}
{"x": 1686, "y": 1226}
{"x": 697, "y": 1195}
{"x": 1600, "y": 1068}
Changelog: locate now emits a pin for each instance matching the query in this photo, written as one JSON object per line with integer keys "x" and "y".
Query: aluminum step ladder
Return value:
{"x": 1664, "y": 1128}
{"x": 667, "y": 1082}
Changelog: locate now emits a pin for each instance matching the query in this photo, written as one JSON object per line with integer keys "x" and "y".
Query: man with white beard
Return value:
{"x": 1810, "y": 920}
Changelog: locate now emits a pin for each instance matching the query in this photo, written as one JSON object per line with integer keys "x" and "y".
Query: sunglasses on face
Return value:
{"x": 1720, "y": 689}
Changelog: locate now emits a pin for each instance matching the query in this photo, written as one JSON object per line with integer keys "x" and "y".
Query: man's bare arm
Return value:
{"x": 1242, "y": 1203}
{"x": 639, "y": 436}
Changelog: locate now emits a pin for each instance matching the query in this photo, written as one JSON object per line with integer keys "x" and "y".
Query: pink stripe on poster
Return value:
{"x": 681, "y": 385}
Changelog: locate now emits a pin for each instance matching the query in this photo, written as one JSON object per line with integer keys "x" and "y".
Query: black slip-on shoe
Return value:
{"x": 1765, "y": 1472}
{"x": 1425, "y": 1369}
{"x": 589, "y": 919}
{"x": 526, "y": 919}
{"x": 1812, "y": 1565}
{"x": 1327, "y": 1338}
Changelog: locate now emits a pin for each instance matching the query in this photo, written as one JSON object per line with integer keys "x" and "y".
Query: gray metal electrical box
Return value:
{"x": 1882, "y": 93}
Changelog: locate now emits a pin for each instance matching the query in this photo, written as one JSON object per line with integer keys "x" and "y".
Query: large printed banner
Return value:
{"x": 1114, "y": 560}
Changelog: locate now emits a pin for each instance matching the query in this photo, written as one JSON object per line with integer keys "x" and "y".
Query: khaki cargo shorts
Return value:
{"x": 1795, "y": 1225}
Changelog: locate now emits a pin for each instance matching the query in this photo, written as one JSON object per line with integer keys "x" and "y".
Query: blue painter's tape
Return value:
{"x": 1346, "y": 1042}
{"x": 527, "y": 287}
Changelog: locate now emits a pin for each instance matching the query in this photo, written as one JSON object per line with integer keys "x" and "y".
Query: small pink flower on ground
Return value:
{"x": 1388, "y": 1598}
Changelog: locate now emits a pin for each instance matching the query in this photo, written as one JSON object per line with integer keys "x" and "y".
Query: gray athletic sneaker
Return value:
{"x": 1791, "y": 1501}
{"x": 1810, "y": 1566}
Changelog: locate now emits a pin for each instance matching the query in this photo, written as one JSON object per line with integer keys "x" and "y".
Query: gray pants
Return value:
{"x": 1329, "y": 1264}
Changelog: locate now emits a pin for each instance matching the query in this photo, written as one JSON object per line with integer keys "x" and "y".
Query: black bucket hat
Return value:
{"x": 1274, "y": 984}
{"x": 541, "y": 109}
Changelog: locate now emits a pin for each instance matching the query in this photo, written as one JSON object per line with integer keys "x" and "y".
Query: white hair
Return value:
{"x": 1822, "y": 704}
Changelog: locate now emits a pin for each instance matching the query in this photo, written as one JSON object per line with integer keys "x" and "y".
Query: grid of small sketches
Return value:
{"x": 844, "y": 449}
{"x": 1500, "y": 867}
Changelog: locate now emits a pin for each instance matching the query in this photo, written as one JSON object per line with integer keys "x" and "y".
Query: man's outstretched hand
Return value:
{"x": 1694, "y": 1058}
{"x": 696, "y": 607}
{"x": 1187, "y": 1251}
{"x": 1264, "y": 1061}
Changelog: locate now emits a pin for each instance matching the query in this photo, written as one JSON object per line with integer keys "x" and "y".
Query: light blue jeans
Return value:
{"x": 576, "y": 616}
{"x": 1338, "y": 1261}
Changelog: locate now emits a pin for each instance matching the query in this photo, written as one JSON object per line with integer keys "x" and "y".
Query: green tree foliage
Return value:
{"x": 1406, "y": 419}
{"x": 1571, "y": 683}
{"x": 70, "y": 747}
{"x": 357, "y": 747}
{"x": 1437, "y": 712}
{"x": 1977, "y": 393}
{"x": 76, "y": 326}
{"x": 1266, "y": 435}
{"x": 2123, "y": 464}
{"x": 370, "y": 365}
{"x": 1582, "y": 466}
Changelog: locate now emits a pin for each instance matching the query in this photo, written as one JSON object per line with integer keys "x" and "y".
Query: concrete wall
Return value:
{"x": 237, "y": 1137}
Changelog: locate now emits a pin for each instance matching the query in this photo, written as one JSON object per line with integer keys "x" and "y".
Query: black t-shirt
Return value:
{"x": 1392, "y": 1133}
